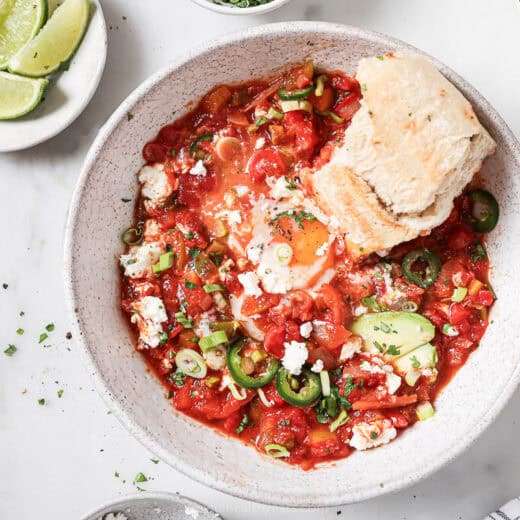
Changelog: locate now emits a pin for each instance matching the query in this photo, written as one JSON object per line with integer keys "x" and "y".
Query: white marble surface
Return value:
{"x": 58, "y": 460}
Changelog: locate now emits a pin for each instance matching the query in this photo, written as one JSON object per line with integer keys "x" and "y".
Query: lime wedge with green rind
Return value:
{"x": 56, "y": 43}
{"x": 20, "y": 21}
{"x": 19, "y": 95}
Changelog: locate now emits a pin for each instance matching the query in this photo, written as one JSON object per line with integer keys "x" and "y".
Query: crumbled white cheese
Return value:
{"x": 254, "y": 252}
{"x": 152, "y": 230}
{"x": 352, "y": 346}
{"x": 224, "y": 269}
{"x": 279, "y": 187}
{"x": 295, "y": 356}
{"x": 370, "y": 435}
{"x": 199, "y": 169}
{"x": 241, "y": 190}
{"x": 250, "y": 281}
{"x": 234, "y": 217}
{"x": 318, "y": 366}
{"x": 277, "y": 281}
{"x": 371, "y": 368}
{"x": 392, "y": 294}
{"x": 149, "y": 314}
{"x": 260, "y": 143}
{"x": 322, "y": 249}
{"x": 203, "y": 329}
{"x": 306, "y": 329}
{"x": 156, "y": 186}
{"x": 360, "y": 310}
{"x": 393, "y": 382}
{"x": 140, "y": 259}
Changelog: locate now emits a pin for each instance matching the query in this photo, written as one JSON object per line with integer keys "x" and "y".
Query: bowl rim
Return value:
{"x": 257, "y": 9}
{"x": 245, "y": 492}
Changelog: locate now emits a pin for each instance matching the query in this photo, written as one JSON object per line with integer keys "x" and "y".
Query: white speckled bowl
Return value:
{"x": 464, "y": 409}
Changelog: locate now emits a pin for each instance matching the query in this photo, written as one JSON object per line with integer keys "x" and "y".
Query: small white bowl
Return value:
{"x": 154, "y": 506}
{"x": 68, "y": 94}
{"x": 230, "y": 9}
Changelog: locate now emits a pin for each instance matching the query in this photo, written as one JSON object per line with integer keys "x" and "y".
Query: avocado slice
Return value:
{"x": 424, "y": 356}
{"x": 393, "y": 334}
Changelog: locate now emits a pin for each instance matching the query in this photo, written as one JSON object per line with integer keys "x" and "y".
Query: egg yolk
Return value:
{"x": 304, "y": 237}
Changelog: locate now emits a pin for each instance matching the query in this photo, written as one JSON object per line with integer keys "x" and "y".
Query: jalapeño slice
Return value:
{"x": 302, "y": 390}
{"x": 426, "y": 276}
{"x": 483, "y": 211}
{"x": 238, "y": 366}
{"x": 292, "y": 95}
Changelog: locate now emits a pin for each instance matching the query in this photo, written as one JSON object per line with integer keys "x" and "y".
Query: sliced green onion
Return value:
{"x": 212, "y": 287}
{"x": 213, "y": 340}
{"x": 291, "y": 106}
{"x": 325, "y": 383}
{"x": 194, "y": 148}
{"x": 185, "y": 322}
{"x": 425, "y": 411}
{"x": 211, "y": 381}
{"x": 459, "y": 294}
{"x": 337, "y": 119}
{"x": 277, "y": 451}
{"x": 266, "y": 402}
{"x": 239, "y": 396}
{"x": 320, "y": 85}
{"x": 261, "y": 121}
{"x": 340, "y": 420}
{"x": 191, "y": 363}
{"x": 412, "y": 377}
{"x": 133, "y": 236}
{"x": 165, "y": 262}
{"x": 449, "y": 330}
{"x": 284, "y": 254}
{"x": 409, "y": 306}
{"x": 258, "y": 355}
{"x": 274, "y": 114}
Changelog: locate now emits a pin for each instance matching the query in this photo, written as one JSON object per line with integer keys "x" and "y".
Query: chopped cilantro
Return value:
{"x": 43, "y": 337}
{"x": 393, "y": 350}
{"x": 190, "y": 285}
{"x": 20, "y": 332}
{"x": 10, "y": 350}
{"x": 60, "y": 393}
{"x": 155, "y": 461}
{"x": 415, "y": 362}
{"x": 244, "y": 423}
{"x": 298, "y": 216}
{"x": 478, "y": 253}
{"x": 216, "y": 256}
{"x": 194, "y": 252}
{"x": 373, "y": 436}
{"x": 49, "y": 327}
{"x": 140, "y": 477}
{"x": 41, "y": 402}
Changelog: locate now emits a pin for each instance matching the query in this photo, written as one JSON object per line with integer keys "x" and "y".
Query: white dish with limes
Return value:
{"x": 52, "y": 56}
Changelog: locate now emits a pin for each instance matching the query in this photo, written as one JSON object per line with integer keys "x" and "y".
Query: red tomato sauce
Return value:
{"x": 220, "y": 161}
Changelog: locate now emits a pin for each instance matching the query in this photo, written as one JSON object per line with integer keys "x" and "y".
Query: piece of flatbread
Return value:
{"x": 412, "y": 147}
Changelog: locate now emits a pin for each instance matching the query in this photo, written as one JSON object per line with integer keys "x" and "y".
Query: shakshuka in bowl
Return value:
{"x": 287, "y": 266}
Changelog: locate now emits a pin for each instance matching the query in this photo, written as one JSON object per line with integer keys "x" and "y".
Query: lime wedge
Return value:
{"x": 18, "y": 95}
{"x": 20, "y": 21}
{"x": 55, "y": 43}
